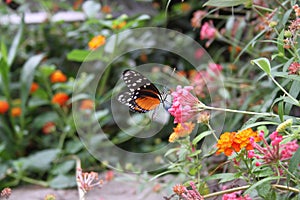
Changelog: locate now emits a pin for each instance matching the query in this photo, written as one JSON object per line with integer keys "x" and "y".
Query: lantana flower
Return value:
{"x": 232, "y": 141}
{"x": 181, "y": 130}
{"x": 96, "y": 42}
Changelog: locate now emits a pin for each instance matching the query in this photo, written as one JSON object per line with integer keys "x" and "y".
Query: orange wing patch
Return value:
{"x": 147, "y": 102}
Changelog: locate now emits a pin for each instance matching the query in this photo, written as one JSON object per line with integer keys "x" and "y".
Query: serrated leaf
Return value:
{"x": 263, "y": 63}
{"x": 225, "y": 3}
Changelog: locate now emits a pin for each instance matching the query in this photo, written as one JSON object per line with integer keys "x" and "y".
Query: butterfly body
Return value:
{"x": 143, "y": 95}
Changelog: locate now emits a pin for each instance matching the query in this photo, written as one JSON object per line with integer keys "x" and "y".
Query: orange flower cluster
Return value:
{"x": 87, "y": 104}
{"x": 96, "y": 42}
{"x": 4, "y": 106}
{"x": 16, "y": 112}
{"x": 58, "y": 77}
{"x": 232, "y": 141}
{"x": 181, "y": 130}
{"x": 60, "y": 98}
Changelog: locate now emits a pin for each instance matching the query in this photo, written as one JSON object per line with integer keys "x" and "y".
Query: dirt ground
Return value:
{"x": 114, "y": 190}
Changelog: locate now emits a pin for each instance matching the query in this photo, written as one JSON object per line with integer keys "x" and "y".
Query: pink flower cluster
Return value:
{"x": 88, "y": 180}
{"x": 294, "y": 68}
{"x": 236, "y": 196}
{"x": 184, "y": 104}
{"x": 186, "y": 194}
{"x": 208, "y": 31}
{"x": 274, "y": 152}
{"x": 200, "y": 80}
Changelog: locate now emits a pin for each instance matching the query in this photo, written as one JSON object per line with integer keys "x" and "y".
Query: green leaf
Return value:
{"x": 280, "y": 110}
{"x": 62, "y": 181}
{"x": 73, "y": 147}
{"x": 225, "y": 3}
{"x": 261, "y": 182}
{"x": 40, "y": 120}
{"x": 263, "y": 63}
{"x": 82, "y": 55}
{"x": 26, "y": 78}
{"x": 15, "y": 45}
{"x": 294, "y": 163}
{"x": 294, "y": 91}
{"x": 41, "y": 160}
{"x": 225, "y": 177}
{"x": 64, "y": 167}
{"x": 280, "y": 43}
{"x": 201, "y": 136}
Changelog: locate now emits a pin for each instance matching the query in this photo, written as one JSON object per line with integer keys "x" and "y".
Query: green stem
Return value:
{"x": 284, "y": 91}
{"x": 107, "y": 72}
{"x": 213, "y": 132}
{"x": 34, "y": 181}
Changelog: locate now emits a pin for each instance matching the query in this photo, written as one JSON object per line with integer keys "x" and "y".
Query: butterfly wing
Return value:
{"x": 143, "y": 95}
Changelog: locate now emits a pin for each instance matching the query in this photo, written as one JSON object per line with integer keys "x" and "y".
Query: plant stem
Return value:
{"x": 204, "y": 107}
{"x": 284, "y": 91}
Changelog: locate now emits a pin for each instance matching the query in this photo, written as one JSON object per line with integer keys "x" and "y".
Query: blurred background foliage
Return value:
{"x": 41, "y": 141}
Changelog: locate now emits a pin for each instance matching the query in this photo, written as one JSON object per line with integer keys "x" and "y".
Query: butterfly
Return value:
{"x": 12, "y": 4}
{"x": 143, "y": 95}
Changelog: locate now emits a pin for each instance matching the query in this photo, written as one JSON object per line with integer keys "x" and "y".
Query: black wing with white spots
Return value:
{"x": 143, "y": 96}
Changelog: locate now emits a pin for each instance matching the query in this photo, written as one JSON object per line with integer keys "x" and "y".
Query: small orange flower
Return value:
{"x": 87, "y": 104}
{"x": 225, "y": 142}
{"x": 181, "y": 130}
{"x": 106, "y": 9}
{"x": 16, "y": 112}
{"x": 34, "y": 87}
{"x": 60, "y": 98}
{"x": 179, "y": 189}
{"x": 242, "y": 139}
{"x": 58, "y": 77}
{"x": 185, "y": 7}
{"x": 96, "y": 42}
{"x": 4, "y": 106}
{"x": 119, "y": 25}
{"x": 49, "y": 127}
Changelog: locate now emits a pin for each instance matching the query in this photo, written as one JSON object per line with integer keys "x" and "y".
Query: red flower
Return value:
{"x": 49, "y": 127}
{"x": 34, "y": 87}
{"x": 4, "y": 106}
{"x": 294, "y": 68}
{"x": 87, "y": 104}
{"x": 58, "y": 77}
{"x": 60, "y": 98}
